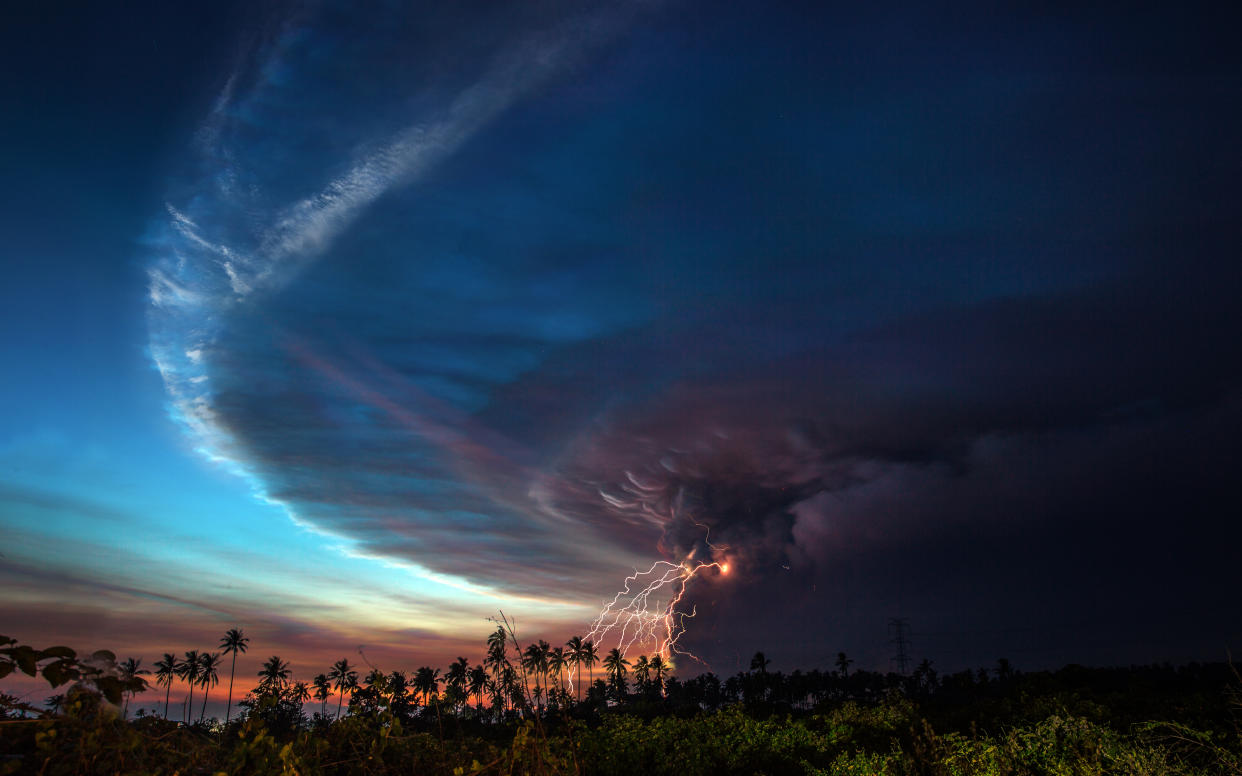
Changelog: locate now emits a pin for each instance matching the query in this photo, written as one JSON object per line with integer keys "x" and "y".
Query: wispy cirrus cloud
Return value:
{"x": 232, "y": 245}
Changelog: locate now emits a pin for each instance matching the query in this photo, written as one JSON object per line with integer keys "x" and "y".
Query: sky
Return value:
{"x": 354, "y": 326}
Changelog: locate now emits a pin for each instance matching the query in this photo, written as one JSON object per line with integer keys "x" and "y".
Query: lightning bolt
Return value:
{"x": 644, "y": 613}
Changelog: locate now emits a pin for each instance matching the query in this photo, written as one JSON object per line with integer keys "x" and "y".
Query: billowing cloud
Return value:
{"x": 544, "y": 308}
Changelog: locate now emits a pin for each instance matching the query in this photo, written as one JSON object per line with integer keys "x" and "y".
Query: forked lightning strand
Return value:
{"x": 649, "y": 615}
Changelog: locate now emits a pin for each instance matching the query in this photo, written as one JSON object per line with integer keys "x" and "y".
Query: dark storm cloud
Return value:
{"x": 759, "y": 277}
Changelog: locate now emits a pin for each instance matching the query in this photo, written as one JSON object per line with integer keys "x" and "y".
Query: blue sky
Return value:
{"x": 355, "y": 326}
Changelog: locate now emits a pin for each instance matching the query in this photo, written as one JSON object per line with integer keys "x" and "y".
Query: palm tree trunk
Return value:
{"x": 339, "y": 702}
{"x": 203, "y": 712}
{"x": 228, "y": 709}
{"x": 167, "y": 690}
{"x": 189, "y": 706}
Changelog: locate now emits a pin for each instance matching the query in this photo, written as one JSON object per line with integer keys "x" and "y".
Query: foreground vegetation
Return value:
{"x": 1139, "y": 720}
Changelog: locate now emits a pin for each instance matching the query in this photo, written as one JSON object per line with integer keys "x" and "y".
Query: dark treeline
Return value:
{"x": 567, "y": 709}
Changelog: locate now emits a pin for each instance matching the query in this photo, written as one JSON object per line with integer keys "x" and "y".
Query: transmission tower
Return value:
{"x": 899, "y": 636}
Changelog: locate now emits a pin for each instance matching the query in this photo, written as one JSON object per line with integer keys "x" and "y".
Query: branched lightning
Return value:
{"x": 645, "y": 613}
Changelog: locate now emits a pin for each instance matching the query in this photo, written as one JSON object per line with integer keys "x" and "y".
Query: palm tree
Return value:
{"x": 426, "y": 681}
{"x": 512, "y": 686}
{"x": 496, "y": 657}
{"x": 591, "y": 658}
{"x": 615, "y": 665}
{"x": 458, "y": 676}
{"x": 233, "y": 642}
{"x": 54, "y": 702}
{"x": 477, "y": 679}
{"x": 573, "y": 649}
{"x": 343, "y": 677}
{"x": 399, "y": 693}
{"x": 274, "y": 674}
{"x": 130, "y": 670}
{"x": 557, "y": 660}
{"x": 843, "y": 663}
{"x": 301, "y": 693}
{"x": 188, "y": 669}
{"x": 208, "y": 676}
{"x": 642, "y": 672}
{"x": 659, "y": 669}
{"x": 165, "y": 672}
{"x": 322, "y": 691}
{"x": 532, "y": 659}
{"x": 760, "y": 663}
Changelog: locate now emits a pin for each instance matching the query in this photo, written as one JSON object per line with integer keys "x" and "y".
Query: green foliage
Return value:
{"x": 1073, "y": 723}
{"x": 60, "y": 665}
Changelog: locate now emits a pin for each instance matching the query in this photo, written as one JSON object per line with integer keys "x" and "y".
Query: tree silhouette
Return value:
{"x": 642, "y": 673}
{"x": 760, "y": 663}
{"x": 426, "y": 681}
{"x": 188, "y": 670}
{"x": 274, "y": 674}
{"x": 234, "y": 641}
{"x": 477, "y": 678}
{"x": 208, "y": 676}
{"x": 573, "y": 652}
{"x": 591, "y": 658}
{"x": 457, "y": 677}
{"x": 300, "y": 693}
{"x": 322, "y": 691}
{"x": 399, "y": 694}
{"x": 343, "y": 677}
{"x": 557, "y": 661}
{"x": 659, "y": 669}
{"x": 535, "y": 661}
{"x": 130, "y": 669}
{"x": 496, "y": 659}
{"x": 165, "y": 672}
{"x": 843, "y": 664}
{"x": 615, "y": 666}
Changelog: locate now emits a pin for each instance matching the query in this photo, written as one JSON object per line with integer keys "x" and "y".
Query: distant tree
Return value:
{"x": 1004, "y": 669}
{"x": 274, "y": 674}
{"x": 535, "y": 662}
{"x": 457, "y": 677}
{"x": 322, "y": 691}
{"x": 590, "y": 656}
{"x": 760, "y": 663}
{"x": 925, "y": 678}
{"x": 615, "y": 666}
{"x": 188, "y": 670}
{"x": 573, "y": 653}
{"x": 659, "y": 668}
{"x": 496, "y": 659}
{"x": 477, "y": 679}
{"x": 130, "y": 670}
{"x": 301, "y": 692}
{"x": 642, "y": 673}
{"x": 165, "y": 672}
{"x": 843, "y": 664}
{"x": 234, "y": 641}
{"x": 208, "y": 676}
{"x": 344, "y": 678}
{"x": 427, "y": 681}
{"x": 399, "y": 694}
{"x": 557, "y": 661}
{"x": 55, "y": 702}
